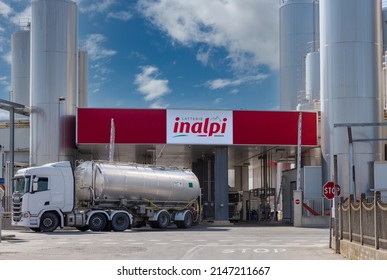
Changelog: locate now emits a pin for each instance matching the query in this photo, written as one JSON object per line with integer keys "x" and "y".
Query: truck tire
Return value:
{"x": 97, "y": 222}
{"x": 82, "y": 228}
{"x": 163, "y": 220}
{"x": 187, "y": 221}
{"x": 120, "y": 222}
{"x": 153, "y": 224}
{"x": 49, "y": 222}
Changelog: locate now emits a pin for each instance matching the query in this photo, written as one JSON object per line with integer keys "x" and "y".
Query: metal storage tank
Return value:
{"x": 312, "y": 76}
{"x": 351, "y": 66}
{"x": 384, "y": 9}
{"x": 20, "y": 83}
{"x": 134, "y": 182}
{"x": 384, "y": 20}
{"x": 82, "y": 79}
{"x": 299, "y": 34}
{"x": 53, "y": 80}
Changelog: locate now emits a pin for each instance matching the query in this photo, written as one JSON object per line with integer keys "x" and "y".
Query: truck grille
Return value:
{"x": 16, "y": 208}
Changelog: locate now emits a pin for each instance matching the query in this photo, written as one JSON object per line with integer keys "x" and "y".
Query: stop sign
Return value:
{"x": 329, "y": 190}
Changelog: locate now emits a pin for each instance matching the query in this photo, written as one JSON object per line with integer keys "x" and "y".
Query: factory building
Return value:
{"x": 248, "y": 162}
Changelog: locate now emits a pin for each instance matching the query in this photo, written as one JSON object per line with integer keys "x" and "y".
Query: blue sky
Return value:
{"x": 200, "y": 54}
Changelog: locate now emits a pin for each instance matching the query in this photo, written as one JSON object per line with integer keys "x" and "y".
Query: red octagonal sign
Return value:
{"x": 329, "y": 190}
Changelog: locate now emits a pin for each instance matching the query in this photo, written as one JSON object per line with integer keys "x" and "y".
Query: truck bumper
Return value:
{"x": 32, "y": 222}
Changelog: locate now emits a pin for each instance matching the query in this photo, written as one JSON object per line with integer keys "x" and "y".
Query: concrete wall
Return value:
{"x": 354, "y": 251}
{"x": 315, "y": 221}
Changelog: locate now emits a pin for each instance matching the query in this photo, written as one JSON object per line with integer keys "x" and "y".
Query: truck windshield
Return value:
{"x": 21, "y": 185}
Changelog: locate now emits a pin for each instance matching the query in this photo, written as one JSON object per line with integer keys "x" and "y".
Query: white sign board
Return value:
{"x": 199, "y": 127}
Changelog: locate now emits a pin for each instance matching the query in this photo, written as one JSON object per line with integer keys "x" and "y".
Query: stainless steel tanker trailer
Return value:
{"x": 102, "y": 196}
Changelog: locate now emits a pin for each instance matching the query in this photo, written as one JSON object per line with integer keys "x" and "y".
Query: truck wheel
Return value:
{"x": 97, "y": 222}
{"x": 163, "y": 219}
{"x": 153, "y": 224}
{"x": 120, "y": 222}
{"x": 49, "y": 222}
{"x": 187, "y": 221}
{"x": 82, "y": 228}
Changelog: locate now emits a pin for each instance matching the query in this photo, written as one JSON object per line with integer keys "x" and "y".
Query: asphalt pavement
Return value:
{"x": 202, "y": 242}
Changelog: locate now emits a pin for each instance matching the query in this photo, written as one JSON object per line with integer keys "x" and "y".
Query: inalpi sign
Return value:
{"x": 199, "y": 127}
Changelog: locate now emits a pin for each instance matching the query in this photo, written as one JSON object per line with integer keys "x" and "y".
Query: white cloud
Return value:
{"x": 122, "y": 15}
{"x": 223, "y": 83}
{"x": 22, "y": 18}
{"x": 203, "y": 56}
{"x": 4, "y": 115}
{"x": 99, "y": 56}
{"x": 5, "y": 10}
{"x": 3, "y": 80}
{"x": 5, "y": 83}
{"x": 95, "y": 49}
{"x": 94, "y": 6}
{"x": 247, "y": 30}
{"x": 149, "y": 85}
{"x": 8, "y": 57}
{"x": 218, "y": 100}
{"x": 159, "y": 105}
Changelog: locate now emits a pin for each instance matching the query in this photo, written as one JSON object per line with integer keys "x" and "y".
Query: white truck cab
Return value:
{"x": 41, "y": 195}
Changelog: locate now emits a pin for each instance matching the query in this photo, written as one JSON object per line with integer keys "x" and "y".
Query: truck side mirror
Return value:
{"x": 35, "y": 184}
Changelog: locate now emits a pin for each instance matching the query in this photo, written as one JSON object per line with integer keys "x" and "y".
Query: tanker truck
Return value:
{"x": 101, "y": 196}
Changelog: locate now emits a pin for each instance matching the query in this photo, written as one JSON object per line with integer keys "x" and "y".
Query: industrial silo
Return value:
{"x": 299, "y": 34}
{"x": 351, "y": 66}
{"x": 20, "y": 82}
{"x": 312, "y": 79}
{"x": 384, "y": 11}
{"x": 53, "y": 80}
{"x": 384, "y": 20}
{"x": 82, "y": 79}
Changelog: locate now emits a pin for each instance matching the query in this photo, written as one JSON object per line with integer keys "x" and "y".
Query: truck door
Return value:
{"x": 39, "y": 197}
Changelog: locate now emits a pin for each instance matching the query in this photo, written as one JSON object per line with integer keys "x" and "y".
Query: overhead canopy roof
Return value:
{"x": 178, "y": 137}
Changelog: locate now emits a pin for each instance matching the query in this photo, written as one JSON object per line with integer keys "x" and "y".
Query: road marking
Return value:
{"x": 250, "y": 248}
{"x": 110, "y": 243}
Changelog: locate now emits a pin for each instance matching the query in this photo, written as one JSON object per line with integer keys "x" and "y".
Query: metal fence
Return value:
{"x": 316, "y": 207}
{"x": 364, "y": 221}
